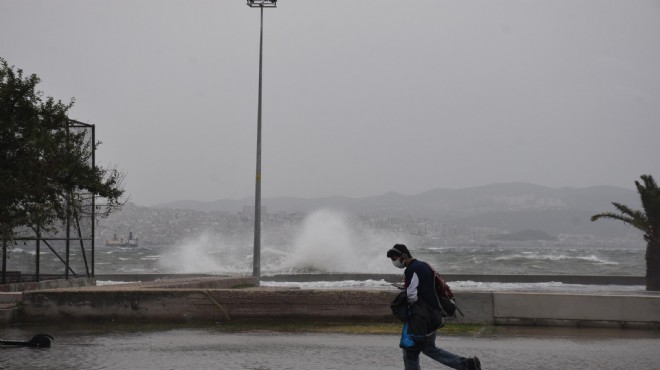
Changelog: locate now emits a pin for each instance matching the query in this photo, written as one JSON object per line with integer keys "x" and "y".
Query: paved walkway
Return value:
{"x": 124, "y": 347}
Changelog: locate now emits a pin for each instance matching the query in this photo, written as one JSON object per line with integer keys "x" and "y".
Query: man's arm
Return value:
{"x": 411, "y": 289}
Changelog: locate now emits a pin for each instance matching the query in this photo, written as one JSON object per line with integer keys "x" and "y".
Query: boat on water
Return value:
{"x": 119, "y": 242}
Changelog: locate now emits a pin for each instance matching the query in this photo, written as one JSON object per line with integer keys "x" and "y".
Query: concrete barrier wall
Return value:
{"x": 48, "y": 284}
{"x": 576, "y": 309}
{"x": 204, "y": 305}
{"x": 213, "y": 305}
{"x": 477, "y": 307}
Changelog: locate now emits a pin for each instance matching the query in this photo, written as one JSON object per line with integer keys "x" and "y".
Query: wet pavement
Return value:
{"x": 95, "y": 346}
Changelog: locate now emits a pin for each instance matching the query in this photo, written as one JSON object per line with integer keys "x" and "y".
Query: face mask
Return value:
{"x": 398, "y": 263}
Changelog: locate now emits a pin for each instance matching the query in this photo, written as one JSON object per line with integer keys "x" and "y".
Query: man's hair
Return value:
{"x": 398, "y": 250}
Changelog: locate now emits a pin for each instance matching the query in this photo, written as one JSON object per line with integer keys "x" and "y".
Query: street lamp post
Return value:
{"x": 256, "y": 262}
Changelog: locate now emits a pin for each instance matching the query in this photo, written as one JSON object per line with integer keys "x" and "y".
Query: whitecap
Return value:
{"x": 343, "y": 284}
{"x": 111, "y": 282}
{"x": 458, "y": 286}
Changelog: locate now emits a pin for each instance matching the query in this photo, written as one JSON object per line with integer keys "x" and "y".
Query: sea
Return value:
{"x": 206, "y": 256}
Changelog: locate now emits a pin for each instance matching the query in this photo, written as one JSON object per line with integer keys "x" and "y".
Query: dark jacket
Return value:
{"x": 425, "y": 288}
{"x": 399, "y": 306}
{"x": 422, "y": 319}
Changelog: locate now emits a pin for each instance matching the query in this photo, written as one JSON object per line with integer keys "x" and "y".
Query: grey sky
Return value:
{"x": 360, "y": 97}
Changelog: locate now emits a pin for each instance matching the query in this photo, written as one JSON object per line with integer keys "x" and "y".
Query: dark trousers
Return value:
{"x": 427, "y": 347}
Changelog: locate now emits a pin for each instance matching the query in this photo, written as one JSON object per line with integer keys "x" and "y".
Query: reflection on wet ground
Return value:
{"x": 106, "y": 346}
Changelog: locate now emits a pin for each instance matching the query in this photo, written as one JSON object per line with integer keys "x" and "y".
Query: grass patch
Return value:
{"x": 256, "y": 326}
{"x": 337, "y": 327}
{"x": 243, "y": 286}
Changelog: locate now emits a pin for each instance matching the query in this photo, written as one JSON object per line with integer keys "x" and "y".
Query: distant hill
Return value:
{"x": 445, "y": 203}
{"x": 510, "y": 206}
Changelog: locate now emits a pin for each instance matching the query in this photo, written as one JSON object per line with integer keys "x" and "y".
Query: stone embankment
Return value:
{"x": 216, "y": 299}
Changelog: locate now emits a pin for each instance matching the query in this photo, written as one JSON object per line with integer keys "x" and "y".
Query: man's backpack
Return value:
{"x": 445, "y": 296}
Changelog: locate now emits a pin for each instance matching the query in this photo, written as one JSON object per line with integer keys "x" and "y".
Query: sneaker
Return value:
{"x": 474, "y": 363}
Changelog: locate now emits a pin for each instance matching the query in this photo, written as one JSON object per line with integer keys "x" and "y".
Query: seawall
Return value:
{"x": 214, "y": 299}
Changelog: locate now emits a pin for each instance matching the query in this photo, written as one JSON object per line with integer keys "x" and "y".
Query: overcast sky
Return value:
{"x": 359, "y": 97}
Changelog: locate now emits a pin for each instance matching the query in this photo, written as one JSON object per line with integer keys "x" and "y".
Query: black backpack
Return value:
{"x": 445, "y": 296}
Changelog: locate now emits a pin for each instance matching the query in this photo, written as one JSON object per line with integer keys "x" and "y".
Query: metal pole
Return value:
{"x": 38, "y": 256}
{"x": 93, "y": 201}
{"x": 68, "y": 214}
{"x": 4, "y": 261}
{"x": 256, "y": 263}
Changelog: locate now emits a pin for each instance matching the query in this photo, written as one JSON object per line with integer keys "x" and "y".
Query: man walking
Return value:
{"x": 420, "y": 294}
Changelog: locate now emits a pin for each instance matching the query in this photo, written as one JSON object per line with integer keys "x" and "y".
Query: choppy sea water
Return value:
{"x": 448, "y": 260}
{"x": 491, "y": 260}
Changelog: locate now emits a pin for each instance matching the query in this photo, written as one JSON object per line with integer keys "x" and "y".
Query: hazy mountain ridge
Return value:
{"x": 440, "y": 203}
{"x": 485, "y": 214}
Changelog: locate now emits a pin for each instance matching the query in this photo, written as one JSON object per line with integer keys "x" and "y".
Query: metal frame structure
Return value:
{"x": 69, "y": 251}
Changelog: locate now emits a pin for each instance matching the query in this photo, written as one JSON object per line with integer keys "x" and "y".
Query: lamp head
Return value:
{"x": 262, "y": 3}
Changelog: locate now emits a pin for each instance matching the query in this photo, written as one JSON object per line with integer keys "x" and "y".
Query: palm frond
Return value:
{"x": 634, "y": 218}
{"x": 639, "y": 218}
{"x": 650, "y": 196}
{"x": 624, "y": 209}
{"x": 613, "y": 216}
{"x": 649, "y": 183}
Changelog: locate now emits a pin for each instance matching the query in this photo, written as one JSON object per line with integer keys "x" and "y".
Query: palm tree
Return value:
{"x": 648, "y": 222}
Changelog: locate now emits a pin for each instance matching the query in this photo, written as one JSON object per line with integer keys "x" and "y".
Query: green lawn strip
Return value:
{"x": 258, "y": 325}
{"x": 339, "y": 327}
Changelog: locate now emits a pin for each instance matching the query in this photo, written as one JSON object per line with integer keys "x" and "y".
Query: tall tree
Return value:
{"x": 45, "y": 166}
{"x": 648, "y": 221}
